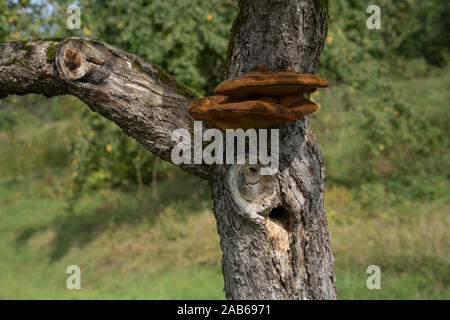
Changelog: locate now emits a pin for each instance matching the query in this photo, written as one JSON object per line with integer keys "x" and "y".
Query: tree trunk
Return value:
{"x": 273, "y": 230}
{"x": 278, "y": 248}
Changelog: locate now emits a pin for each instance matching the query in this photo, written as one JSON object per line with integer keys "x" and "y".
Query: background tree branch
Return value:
{"x": 142, "y": 99}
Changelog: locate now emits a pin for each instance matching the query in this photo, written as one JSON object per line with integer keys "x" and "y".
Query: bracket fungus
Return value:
{"x": 259, "y": 99}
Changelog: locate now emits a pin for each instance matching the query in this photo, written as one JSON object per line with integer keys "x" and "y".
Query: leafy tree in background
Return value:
{"x": 398, "y": 142}
{"x": 188, "y": 38}
{"x": 191, "y": 38}
{"x": 192, "y": 35}
{"x": 410, "y": 29}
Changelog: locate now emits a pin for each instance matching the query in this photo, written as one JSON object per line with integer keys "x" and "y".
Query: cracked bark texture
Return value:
{"x": 278, "y": 248}
{"x": 273, "y": 229}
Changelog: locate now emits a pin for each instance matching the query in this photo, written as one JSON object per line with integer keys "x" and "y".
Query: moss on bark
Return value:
{"x": 51, "y": 51}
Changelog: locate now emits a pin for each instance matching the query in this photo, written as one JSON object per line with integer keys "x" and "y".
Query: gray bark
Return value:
{"x": 273, "y": 229}
{"x": 278, "y": 248}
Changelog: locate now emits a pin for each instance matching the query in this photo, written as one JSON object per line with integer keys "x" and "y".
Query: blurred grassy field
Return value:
{"x": 130, "y": 246}
{"x": 138, "y": 244}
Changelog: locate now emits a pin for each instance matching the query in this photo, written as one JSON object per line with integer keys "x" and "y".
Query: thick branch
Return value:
{"x": 139, "y": 97}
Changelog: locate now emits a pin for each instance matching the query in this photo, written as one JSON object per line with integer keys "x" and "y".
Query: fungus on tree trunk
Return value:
{"x": 259, "y": 99}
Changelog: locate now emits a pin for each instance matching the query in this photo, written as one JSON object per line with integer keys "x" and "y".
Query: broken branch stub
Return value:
{"x": 81, "y": 61}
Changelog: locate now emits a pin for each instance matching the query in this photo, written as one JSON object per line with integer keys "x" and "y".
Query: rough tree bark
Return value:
{"x": 273, "y": 229}
{"x": 280, "y": 247}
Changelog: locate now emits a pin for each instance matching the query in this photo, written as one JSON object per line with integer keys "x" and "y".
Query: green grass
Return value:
{"x": 351, "y": 285}
{"x": 129, "y": 246}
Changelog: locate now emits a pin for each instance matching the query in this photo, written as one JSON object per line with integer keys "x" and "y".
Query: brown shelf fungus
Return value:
{"x": 225, "y": 114}
{"x": 260, "y": 99}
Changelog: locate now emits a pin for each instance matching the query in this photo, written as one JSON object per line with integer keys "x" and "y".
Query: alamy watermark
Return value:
{"x": 234, "y": 145}
{"x": 374, "y": 21}
{"x": 374, "y": 281}
{"x": 73, "y": 20}
{"x": 74, "y": 280}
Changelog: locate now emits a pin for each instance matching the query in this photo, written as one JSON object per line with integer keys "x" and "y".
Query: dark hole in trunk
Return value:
{"x": 282, "y": 217}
